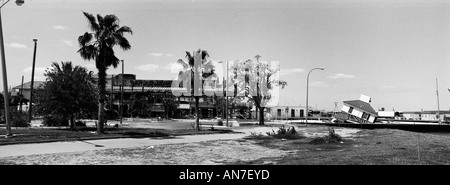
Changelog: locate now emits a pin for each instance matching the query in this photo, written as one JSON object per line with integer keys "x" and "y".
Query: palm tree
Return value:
{"x": 205, "y": 70}
{"x": 98, "y": 46}
{"x": 69, "y": 90}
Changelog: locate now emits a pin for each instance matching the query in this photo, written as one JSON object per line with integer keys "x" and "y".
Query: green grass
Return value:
{"x": 371, "y": 147}
{"x": 30, "y": 135}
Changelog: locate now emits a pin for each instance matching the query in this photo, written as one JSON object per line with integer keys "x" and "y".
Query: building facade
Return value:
{"x": 152, "y": 98}
{"x": 161, "y": 102}
{"x": 295, "y": 112}
{"x": 24, "y": 91}
{"x": 287, "y": 112}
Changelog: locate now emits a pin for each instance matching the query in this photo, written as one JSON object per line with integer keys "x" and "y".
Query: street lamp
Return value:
{"x": 226, "y": 101}
{"x": 307, "y": 84}
{"x": 5, "y": 79}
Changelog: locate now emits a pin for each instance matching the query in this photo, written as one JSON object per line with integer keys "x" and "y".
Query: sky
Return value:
{"x": 392, "y": 51}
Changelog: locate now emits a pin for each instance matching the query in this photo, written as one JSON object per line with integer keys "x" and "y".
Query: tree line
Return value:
{"x": 70, "y": 90}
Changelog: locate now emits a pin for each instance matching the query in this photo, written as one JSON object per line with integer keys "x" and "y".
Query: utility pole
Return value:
{"x": 335, "y": 108}
{"x": 30, "y": 107}
{"x": 437, "y": 93}
{"x": 227, "y": 97}
{"x": 21, "y": 95}
{"x": 225, "y": 89}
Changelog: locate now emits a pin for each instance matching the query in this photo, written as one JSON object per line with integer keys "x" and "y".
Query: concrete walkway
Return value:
{"x": 77, "y": 146}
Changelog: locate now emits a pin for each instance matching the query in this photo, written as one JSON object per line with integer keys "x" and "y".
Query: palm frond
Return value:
{"x": 88, "y": 52}
{"x": 188, "y": 55}
{"x": 183, "y": 63}
{"x": 208, "y": 66}
{"x": 124, "y": 29}
{"x": 110, "y": 41}
{"x": 55, "y": 66}
{"x": 84, "y": 39}
{"x": 109, "y": 58}
{"x": 185, "y": 75}
{"x": 208, "y": 69}
{"x": 122, "y": 41}
{"x": 92, "y": 22}
{"x": 110, "y": 21}
{"x": 113, "y": 28}
{"x": 210, "y": 76}
{"x": 204, "y": 54}
{"x": 100, "y": 21}
{"x": 190, "y": 58}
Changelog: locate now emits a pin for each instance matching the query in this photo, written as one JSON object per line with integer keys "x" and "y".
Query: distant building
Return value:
{"x": 294, "y": 112}
{"x": 430, "y": 115}
{"x": 287, "y": 112}
{"x": 26, "y": 88}
{"x": 155, "y": 93}
{"x": 412, "y": 115}
{"x": 389, "y": 114}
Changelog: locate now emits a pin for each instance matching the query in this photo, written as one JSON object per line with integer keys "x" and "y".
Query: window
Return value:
{"x": 365, "y": 116}
{"x": 350, "y": 110}
{"x": 279, "y": 112}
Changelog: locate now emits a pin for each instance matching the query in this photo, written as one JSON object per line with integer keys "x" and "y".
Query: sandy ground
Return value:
{"x": 205, "y": 152}
{"x": 210, "y": 152}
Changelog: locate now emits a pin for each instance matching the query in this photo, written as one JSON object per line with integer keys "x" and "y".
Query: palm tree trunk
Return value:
{"x": 197, "y": 117}
{"x": 102, "y": 98}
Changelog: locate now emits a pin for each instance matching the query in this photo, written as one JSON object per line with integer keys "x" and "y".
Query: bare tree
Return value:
{"x": 255, "y": 80}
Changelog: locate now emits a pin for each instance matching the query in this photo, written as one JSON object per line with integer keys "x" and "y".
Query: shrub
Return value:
{"x": 19, "y": 119}
{"x": 80, "y": 124}
{"x": 54, "y": 120}
{"x": 256, "y": 135}
{"x": 332, "y": 137}
{"x": 219, "y": 122}
{"x": 285, "y": 133}
{"x": 111, "y": 114}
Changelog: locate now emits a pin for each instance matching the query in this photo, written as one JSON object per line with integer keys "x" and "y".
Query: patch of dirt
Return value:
{"x": 211, "y": 152}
